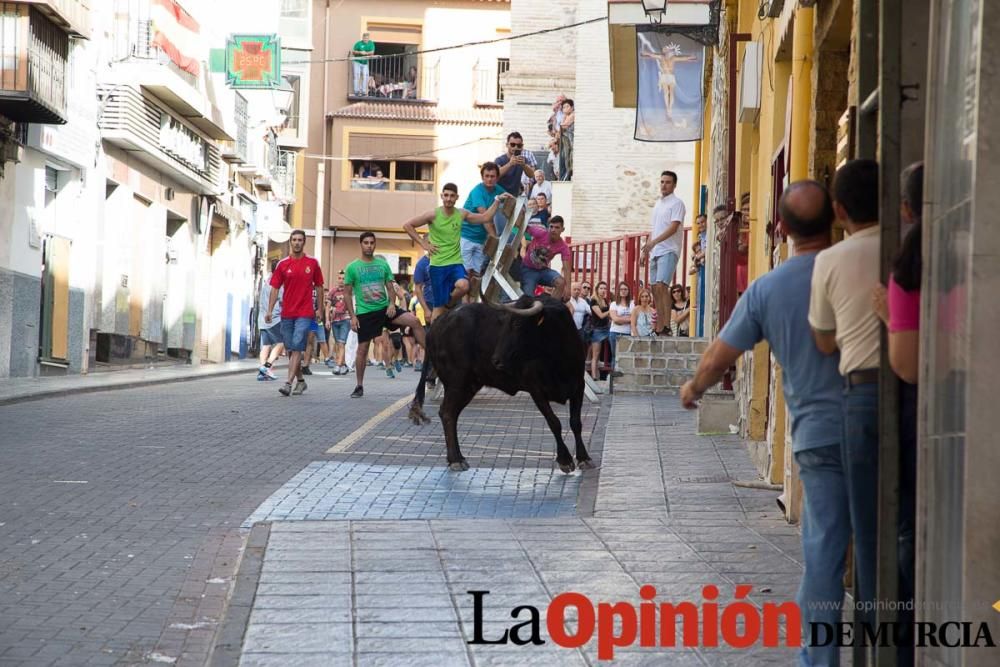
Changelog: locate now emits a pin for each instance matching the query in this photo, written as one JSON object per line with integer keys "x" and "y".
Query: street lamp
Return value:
{"x": 282, "y": 96}
{"x": 654, "y": 9}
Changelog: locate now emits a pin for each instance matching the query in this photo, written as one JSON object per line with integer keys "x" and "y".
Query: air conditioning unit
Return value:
{"x": 750, "y": 80}
{"x": 771, "y": 9}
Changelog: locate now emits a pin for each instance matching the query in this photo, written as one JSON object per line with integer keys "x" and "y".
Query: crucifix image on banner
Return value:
{"x": 669, "y": 98}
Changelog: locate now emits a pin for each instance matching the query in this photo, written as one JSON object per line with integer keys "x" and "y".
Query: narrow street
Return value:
{"x": 126, "y": 514}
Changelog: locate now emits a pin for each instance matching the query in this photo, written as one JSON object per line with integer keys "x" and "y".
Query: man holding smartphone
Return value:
{"x": 514, "y": 164}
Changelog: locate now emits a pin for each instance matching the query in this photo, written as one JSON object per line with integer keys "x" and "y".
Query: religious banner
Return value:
{"x": 670, "y": 76}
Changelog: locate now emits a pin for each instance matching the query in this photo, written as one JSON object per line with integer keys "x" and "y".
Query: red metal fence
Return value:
{"x": 617, "y": 260}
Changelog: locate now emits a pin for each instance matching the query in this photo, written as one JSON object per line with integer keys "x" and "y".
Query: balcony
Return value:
{"x": 488, "y": 78}
{"x": 149, "y": 133}
{"x": 400, "y": 77}
{"x": 138, "y": 61}
{"x": 283, "y": 176}
{"x": 73, "y": 16}
{"x": 34, "y": 55}
{"x": 237, "y": 152}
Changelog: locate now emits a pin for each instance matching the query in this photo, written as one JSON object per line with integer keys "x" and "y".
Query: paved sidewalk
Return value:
{"x": 370, "y": 592}
{"x": 17, "y": 390}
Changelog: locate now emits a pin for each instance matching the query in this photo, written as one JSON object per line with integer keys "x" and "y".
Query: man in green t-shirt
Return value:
{"x": 449, "y": 281}
{"x": 368, "y": 282}
{"x": 364, "y": 47}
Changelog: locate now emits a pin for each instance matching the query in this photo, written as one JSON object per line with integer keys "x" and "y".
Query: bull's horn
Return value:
{"x": 533, "y": 310}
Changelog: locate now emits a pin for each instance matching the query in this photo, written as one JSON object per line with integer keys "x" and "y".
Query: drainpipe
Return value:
{"x": 321, "y": 167}
{"x": 802, "y": 60}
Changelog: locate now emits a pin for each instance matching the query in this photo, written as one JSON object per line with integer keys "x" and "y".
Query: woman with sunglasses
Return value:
{"x": 621, "y": 318}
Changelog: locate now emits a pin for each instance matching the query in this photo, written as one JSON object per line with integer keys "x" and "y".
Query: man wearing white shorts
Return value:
{"x": 664, "y": 246}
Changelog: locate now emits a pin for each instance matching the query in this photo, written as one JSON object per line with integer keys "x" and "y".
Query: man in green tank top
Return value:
{"x": 449, "y": 282}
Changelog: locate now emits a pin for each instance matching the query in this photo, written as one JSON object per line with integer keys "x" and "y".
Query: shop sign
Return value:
{"x": 183, "y": 143}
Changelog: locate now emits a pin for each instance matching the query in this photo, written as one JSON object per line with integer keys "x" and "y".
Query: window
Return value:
{"x": 414, "y": 176}
{"x": 503, "y": 66}
{"x": 295, "y": 81}
{"x": 392, "y": 175}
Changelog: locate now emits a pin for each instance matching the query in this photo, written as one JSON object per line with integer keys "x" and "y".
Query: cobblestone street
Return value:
{"x": 126, "y": 526}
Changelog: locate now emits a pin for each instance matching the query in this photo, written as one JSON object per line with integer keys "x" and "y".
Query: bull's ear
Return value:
{"x": 540, "y": 320}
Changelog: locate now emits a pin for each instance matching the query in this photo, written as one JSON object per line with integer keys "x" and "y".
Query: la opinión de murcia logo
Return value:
{"x": 738, "y": 624}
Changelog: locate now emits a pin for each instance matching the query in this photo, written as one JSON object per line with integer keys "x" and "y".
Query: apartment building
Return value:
{"x": 131, "y": 183}
{"x": 383, "y": 141}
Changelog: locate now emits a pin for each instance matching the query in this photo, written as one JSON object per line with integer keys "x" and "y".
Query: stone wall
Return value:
{"x": 656, "y": 365}
{"x": 718, "y": 174}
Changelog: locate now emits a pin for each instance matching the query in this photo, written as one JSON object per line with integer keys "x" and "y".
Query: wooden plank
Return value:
{"x": 59, "y": 259}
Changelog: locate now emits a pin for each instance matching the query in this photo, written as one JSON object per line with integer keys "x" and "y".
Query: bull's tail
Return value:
{"x": 416, "y": 414}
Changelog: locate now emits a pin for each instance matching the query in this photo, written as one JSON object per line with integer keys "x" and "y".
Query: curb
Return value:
{"x": 55, "y": 393}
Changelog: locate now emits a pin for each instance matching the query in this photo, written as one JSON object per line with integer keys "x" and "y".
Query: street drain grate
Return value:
{"x": 705, "y": 479}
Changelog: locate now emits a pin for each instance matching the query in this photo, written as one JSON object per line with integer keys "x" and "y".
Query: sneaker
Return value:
{"x": 329, "y": 363}
{"x": 286, "y": 389}
{"x": 399, "y": 367}
{"x": 359, "y": 392}
{"x": 306, "y": 371}
{"x": 270, "y": 374}
{"x": 261, "y": 377}
{"x": 389, "y": 373}
{"x": 380, "y": 365}
{"x": 336, "y": 371}
{"x": 408, "y": 364}
{"x": 344, "y": 370}
{"x": 418, "y": 367}
{"x": 262, "y": 370}
{"x": 370, "y": 363}
{"x": 300, "y": 387}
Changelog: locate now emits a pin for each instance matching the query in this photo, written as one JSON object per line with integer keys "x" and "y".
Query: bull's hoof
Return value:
{"x": 458, "y": 466}
{"x": 586, "y": 464}
{"x": 417, "y": 416}
{"x": 567, "y": 467}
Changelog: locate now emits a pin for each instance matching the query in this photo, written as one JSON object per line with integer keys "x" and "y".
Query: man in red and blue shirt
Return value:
{"x": 302, "y": 280}
{"x": 545, "y": 245}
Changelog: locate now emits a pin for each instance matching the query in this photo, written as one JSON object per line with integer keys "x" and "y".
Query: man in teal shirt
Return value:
{"x": 365, "y": 47}
{"x": 473, "y": 241}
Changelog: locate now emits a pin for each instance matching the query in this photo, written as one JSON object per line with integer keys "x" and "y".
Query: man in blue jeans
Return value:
{"x": 545, "y": 245}
{"x": 775, "y": 308}
{"x": 842, "y": 318}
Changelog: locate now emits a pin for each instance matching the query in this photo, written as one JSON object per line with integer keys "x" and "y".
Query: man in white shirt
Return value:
{"x": 664, "y": 246}
{"x": 842, "y": 318}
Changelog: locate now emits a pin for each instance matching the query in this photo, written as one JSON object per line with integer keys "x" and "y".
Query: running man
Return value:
{"x": 370, "y": 281}
{"x": 302, "y": 280}
{"x": 448, "y": 278}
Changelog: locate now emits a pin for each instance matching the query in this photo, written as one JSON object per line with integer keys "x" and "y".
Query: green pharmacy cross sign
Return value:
{"x": 251, "y": 61}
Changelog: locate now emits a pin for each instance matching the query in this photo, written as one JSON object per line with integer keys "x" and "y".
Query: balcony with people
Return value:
{"x": 389, "y": 72}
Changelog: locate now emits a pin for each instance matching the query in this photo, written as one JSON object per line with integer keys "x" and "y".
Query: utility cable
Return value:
{"x": 452, "y": 47}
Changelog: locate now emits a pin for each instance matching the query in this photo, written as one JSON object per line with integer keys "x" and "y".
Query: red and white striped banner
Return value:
{"x": 177, "y": 33}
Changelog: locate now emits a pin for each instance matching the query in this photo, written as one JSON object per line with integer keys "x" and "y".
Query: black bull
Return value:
{"x": 530, "y": 346}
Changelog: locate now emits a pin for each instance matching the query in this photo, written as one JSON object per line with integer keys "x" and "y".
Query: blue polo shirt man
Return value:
{"x": 473, "y": 240}
{"x": 775, "y": 308}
